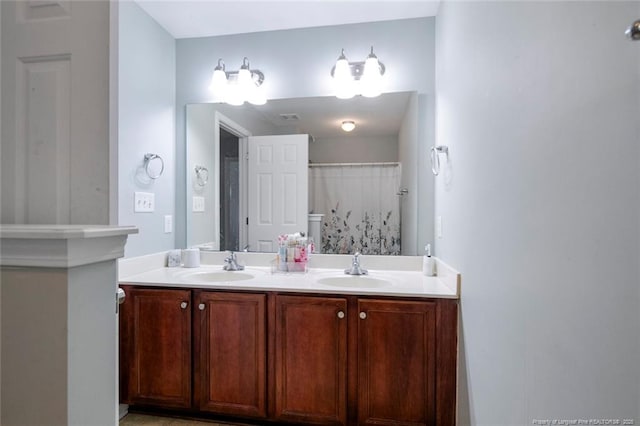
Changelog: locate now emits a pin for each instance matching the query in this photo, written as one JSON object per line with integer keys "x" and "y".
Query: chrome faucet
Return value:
{"x": 355, "y": 266}
{"x": 231, "y": 263}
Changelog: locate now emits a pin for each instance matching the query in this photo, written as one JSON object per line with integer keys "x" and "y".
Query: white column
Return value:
{"x": 58, "y": 296}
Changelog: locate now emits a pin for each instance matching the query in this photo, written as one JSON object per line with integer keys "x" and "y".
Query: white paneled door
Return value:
{"x": 55, "y": 112}
{"x": 278, "y": 186}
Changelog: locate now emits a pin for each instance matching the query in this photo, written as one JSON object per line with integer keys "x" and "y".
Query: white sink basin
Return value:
{"x": 219, "y": 276}
{"x": 354, "y": 281}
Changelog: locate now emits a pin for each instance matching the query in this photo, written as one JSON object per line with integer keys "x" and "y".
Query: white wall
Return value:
{"x": 297, "y": 63}
{"x": 539, "y": 104}
{"x": 354, "y": 149}
{"x": 146, "y": 122}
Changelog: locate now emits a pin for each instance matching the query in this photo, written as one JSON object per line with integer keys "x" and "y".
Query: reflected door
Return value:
{"x": 278, "y": 187}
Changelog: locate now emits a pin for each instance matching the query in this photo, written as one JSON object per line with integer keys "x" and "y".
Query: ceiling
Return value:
{"x": 321, "y": 116}
{"x": 204, "y": 18}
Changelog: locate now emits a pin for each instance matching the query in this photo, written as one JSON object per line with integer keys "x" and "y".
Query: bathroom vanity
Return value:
{"x": 314, "y": 348}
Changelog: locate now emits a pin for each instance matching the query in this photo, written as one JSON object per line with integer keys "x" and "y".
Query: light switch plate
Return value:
{"x": 168, "y": 224}
{"x": 198, "y": 204}
{"x": 144, "y": 202}
{"x": 439, "y": 227}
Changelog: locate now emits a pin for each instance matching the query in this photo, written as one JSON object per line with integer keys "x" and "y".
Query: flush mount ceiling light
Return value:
{"x": 348, "y": 125}
{"x": 352, "y": 78}
{"x": 238, "y": 87}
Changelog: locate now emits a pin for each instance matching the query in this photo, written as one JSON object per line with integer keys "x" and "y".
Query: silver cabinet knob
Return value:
{"x": 201, "y": 306}
{"x": 363, "y": 315}
{"x": 184, "y": 305}
{"x": 340, "y": 314}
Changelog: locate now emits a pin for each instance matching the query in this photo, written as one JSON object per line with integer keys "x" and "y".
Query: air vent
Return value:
{"x": 289, "y": 117}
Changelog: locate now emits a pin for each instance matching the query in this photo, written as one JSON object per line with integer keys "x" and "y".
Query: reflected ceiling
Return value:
{"x": 321, "y": 116}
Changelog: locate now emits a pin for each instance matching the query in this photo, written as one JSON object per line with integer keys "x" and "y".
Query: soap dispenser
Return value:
{"x": 428, "y": 262}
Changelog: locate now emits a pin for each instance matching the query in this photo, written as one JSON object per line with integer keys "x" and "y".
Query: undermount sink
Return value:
{"x": 354, "y": 281}
{"x": 220, "y": 276}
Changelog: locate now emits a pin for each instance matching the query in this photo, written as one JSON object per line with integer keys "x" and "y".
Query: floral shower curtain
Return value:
{"x": 361, "y": 207}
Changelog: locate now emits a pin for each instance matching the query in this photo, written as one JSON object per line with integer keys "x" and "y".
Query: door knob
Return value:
{"x": 340, "y": 314}
{"x": 201, "y": 306}
{"x": 363, "y": 315}
{"x": 184, "y": 305}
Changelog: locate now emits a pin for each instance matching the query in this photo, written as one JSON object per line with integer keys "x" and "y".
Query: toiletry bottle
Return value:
{"x": 428, "y": 262}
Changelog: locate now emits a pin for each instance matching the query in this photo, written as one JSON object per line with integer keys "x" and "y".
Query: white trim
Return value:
{"x": 222, "y": 121}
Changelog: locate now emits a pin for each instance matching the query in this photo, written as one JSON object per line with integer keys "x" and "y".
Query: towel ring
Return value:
{"x": 148, "y": 160}
{"x": 202, "y": 175}
{"x": 435, "y": 157}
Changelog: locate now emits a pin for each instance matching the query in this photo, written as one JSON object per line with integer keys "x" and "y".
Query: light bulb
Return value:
{"x": 342, "y": 79}
{"x": 257, "y": 95}
{"x": 348, "y": 125}
{"x": 371, "y": 79}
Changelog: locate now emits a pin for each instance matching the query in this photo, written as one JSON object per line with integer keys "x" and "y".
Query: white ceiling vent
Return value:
{"x": 289, "y": 117}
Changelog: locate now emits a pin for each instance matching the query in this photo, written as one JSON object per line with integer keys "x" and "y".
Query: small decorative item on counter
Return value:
{"x": 174, "y": 257}
{"x": 191, "y": 258}
{"x": 293, "y": 253}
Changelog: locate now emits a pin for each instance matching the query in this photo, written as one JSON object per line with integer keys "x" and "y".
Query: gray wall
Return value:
{"x": 354, "y": 149}
{"x": 297, "y": 63}
{"x": 146, "y": 124}
{"x": 407, "y": 154}
{"x": 540, "y": 108}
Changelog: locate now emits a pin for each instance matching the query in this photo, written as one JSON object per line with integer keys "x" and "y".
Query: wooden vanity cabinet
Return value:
{"x": 365, "y": 361}
{"x": 155, "y": 347}
{"x": 311, "y": 359}
{"x": 230, "y": 346}
{"x": 396, "y": 362}
{"x": 317, "y": 360}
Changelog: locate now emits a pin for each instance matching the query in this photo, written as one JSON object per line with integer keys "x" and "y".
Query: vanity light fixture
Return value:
{"x": 348, "y": 125}
{"x": 238, "y": 87}
{"x": 352, "y": 78}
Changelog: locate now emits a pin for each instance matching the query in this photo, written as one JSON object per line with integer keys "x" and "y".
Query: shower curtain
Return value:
{"x": 360, "y": 204}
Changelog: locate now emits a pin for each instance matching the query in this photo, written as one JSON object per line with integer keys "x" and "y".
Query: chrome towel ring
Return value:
{"x": 435, "y": 157}
{"x": 202, "y": 175}
{"x": 151, "y": 164}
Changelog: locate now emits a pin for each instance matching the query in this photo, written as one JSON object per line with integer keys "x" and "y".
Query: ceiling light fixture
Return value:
{"x": 238, "y": 87}
{"x": 352, "y": 78}
{"x": 348, "y": 125}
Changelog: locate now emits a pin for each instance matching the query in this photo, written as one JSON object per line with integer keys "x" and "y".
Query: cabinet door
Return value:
{"x": 156, "y": 337}
{"x": 311, "y": 359}
{"x": 230, "y": 335}
{"x": 396, "y": 362}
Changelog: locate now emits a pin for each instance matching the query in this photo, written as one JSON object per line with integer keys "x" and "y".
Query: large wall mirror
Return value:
{"x": 348, "y": 190}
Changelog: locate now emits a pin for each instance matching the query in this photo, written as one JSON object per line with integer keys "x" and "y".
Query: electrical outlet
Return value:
{"x": 439, "y": 227}
{"x": 144, "y": 202}
{"x": 198, "y": 204}
{"x": 168, "y": 224}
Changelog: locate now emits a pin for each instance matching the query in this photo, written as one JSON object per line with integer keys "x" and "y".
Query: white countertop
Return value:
{"x": 398, "y": 283}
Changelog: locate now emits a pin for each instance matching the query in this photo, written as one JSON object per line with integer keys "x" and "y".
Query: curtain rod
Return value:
{"x": 351, "y": 164}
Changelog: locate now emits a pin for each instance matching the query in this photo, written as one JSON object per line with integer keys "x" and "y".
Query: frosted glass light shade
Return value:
{"x": 257, "y": 96}
{"x": 343, "y": 80}
{"x": 371, "y": 80}
{"x": 218, "y": 81}
{"x": 348, "y": 126}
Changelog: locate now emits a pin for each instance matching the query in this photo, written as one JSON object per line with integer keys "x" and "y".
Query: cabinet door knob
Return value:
{"x": 184, "y": 305}
{"x": 340, "y": 314}
{"x": 201, "y": 306}
{"x": 363, "y": 315}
